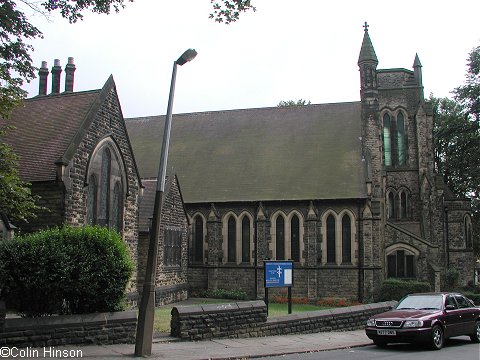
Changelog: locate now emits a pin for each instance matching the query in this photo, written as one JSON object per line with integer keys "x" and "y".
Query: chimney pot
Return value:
{"x": 56, "y": 71}
{"x": 43, "y": 78}
{"x": 69, "y": 75}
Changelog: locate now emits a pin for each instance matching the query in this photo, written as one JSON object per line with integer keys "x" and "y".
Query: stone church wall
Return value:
{"x": 312, "y": 279}
{"x": 52, "y": 196}
{"x": 171, "y": 280}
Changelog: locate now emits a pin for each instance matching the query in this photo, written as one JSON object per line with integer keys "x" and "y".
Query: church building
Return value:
{"x": 348, "y": 191}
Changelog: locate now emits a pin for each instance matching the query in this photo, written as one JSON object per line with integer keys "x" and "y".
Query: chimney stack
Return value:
{"x": 56, "y": 71}
{"x": 43, "y": 75}
{"x": 69, "y": 75}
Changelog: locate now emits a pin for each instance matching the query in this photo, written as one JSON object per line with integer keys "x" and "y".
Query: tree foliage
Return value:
{"x": 299, "y": 102}
{"x": 457, "y": 140}
{"x": 228, "y": 11}
{"x": 16, "y": 199}
{"x": 469, "y": 94}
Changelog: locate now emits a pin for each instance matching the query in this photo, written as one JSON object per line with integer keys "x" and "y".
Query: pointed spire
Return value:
{"x": 416, "y": 62}
{"x": 367, "y": 52}
{"x": 417, "y": 73}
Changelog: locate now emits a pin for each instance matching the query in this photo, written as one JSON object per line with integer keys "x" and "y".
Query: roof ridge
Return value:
{"x": 64, "y": 94}
{"x": 245, "y": 109}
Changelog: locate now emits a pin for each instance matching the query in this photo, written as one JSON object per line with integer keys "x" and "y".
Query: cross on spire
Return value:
{"x": 366, "y": 26}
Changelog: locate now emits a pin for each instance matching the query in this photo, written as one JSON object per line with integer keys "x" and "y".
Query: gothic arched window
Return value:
{"x": 280, "y": 238}
{"x": 246, "y": 239}
{"x": 92, "y": 200}
{"x": 198, "y": 240}
{"x": 403, "y": 205}
{"x": 295, "y": 238}
{"x": 106, "y": 181}
{"x": 117, "y": 206}
{"x": 331, "y": 241}
{"x": 401, "y": 264}
{"x": 232, "y": 240}
{"x": 387, "y": 140}
{"x": 401, "y": 139}
{"x": 390, "y": 205}
{"x": 105, "y": 187}
{"x": 346, "y": 239}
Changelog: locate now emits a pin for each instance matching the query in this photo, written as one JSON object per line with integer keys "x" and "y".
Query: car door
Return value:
{"x": 451, "y": 317}
{"x": 467, "y": 315}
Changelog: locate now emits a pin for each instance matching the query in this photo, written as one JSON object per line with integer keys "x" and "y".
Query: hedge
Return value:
{"x": 395, "y": 289}
{"x": 65, "y": 271}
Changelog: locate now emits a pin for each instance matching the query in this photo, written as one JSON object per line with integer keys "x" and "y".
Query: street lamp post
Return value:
{"x": 146, "y": 314}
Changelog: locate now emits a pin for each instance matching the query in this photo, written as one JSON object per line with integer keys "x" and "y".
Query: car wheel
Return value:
{"x": 380, "y": 343}
{"x": 476, "y": 335}
{"x": 437, "y": 339}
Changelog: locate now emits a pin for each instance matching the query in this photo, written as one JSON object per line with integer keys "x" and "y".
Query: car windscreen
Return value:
{"x": 421, "y": 302}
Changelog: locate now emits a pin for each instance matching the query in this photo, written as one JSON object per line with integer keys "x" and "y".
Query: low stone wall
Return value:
{"x": 100, "y": 328}
{"x": 249, "y": 319}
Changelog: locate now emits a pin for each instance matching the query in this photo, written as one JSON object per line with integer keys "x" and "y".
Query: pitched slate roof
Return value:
{"x": 44, "y": 128}
{"x": 48, "y": 129}
{"x": 280, "y": 153}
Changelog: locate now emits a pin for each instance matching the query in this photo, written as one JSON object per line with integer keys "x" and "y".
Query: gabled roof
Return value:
{"x": 44, "y": 128}
{"x": 48, "y": 129}
{"x": 279, "y": 153}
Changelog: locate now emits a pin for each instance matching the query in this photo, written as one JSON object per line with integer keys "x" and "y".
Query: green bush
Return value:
{"x": 395, "y": 289}
{"x": 475, "y": 297}
{"x": 223, "y": 294}
{"x": 65, "y": 270}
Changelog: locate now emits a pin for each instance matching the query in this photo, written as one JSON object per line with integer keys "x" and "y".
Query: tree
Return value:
{"x": 299, "y": 102}
{"x": 469, "y": 94}
{"x": 16, "y": 199}
{"x": 229, "y": 11}
{"x": 457, "y": 140}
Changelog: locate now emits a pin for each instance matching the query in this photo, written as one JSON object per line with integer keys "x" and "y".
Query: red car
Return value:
{"x": 426, "y": 318}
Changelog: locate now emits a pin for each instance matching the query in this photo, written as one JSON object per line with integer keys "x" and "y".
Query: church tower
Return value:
{"x": 372, "y": 222}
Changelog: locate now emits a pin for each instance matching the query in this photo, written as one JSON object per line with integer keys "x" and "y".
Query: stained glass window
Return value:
{"x": 246, "y": 239}
{"x": 331, "y": 251}
{"x": 232, "y": 240}
{"x": 92, "y": 200}
{"x": 387, "y": 141}
{"x": 198, "y": 240}
{"x": 280, "y": 238}
{"x": 401, "y": 139}
{"x": 346, "y": 239}
{"x": 295, "y": 238}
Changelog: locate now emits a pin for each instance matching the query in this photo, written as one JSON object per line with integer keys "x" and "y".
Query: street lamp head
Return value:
{"x": 186, "y": 56}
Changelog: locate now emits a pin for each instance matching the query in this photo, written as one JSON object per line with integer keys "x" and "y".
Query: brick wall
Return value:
{"x": 249, "y": 319}
{"x": 100, "y": 328}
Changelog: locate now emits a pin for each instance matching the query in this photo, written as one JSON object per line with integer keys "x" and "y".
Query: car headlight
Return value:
{"x": 413, "y": 323}
{"x": 371, "y": 322}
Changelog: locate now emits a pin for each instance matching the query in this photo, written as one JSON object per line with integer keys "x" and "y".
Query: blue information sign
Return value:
{"x": 278, "y": 273}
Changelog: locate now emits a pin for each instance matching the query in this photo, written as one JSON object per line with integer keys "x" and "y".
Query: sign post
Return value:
{"x": 278, "y": 273}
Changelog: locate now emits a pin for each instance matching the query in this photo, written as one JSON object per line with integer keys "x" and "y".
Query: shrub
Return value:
{"x": 451, "y": 278}
{"x": 222, "y": 294}
{"x": 395, "y": 289}
{"x": 475, "y": 297}
{"x": 65, "y": 270}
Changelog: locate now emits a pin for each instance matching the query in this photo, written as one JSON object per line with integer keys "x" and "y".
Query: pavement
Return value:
{"x": 166, "y": 347}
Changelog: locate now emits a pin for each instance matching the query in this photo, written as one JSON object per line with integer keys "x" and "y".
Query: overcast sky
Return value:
{"x": 288, "y": 49}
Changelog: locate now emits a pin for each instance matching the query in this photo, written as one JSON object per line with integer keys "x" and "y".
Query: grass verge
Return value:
{"x": 163, "y": 313}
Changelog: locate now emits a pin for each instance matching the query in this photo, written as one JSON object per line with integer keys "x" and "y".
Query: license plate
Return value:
{"x": 386, "y": 332}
